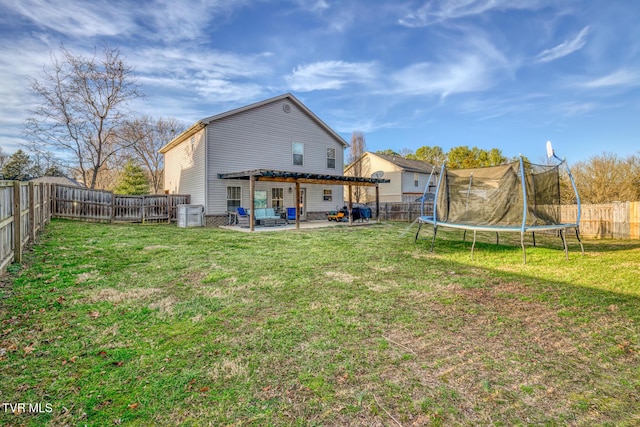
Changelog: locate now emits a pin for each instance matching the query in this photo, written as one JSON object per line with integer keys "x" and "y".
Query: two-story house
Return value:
{"x": 271, "y": 154}
{"x": 407, "y": 177}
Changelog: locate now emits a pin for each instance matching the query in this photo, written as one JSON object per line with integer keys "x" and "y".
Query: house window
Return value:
{"x": 327, "y": 195}
{"x": 233, "y": 198}
{"x": 297, "y": 148}
{"x": 331, "y": 158}
{"x": 277, "y": 198}
{"x": 416, "y": 182}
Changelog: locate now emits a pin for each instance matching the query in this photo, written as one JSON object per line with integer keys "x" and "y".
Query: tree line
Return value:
{"x": 83, "y": 117}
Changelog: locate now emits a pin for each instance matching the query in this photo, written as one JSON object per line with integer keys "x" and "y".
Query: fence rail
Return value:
{"x": 26, "y": 207}
{"x": 618, "y": 220}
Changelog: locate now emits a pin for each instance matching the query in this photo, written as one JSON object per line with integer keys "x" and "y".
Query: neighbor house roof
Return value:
{"x": 206, "y": 121}
{"x": 406, "y": 165}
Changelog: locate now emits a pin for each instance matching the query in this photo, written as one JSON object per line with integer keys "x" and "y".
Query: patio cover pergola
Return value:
{"x": 303, "y": 178}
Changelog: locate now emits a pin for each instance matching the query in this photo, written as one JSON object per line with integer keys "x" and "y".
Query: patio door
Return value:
{"x": 303, "y": 204}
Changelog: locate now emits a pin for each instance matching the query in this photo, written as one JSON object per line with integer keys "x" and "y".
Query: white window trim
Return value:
{"x": 293, "y": 154}
{"x": 335, "y": 153}
{"x": 227, "y": 195}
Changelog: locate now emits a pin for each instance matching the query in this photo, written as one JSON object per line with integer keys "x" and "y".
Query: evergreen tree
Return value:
{"x": 133, "y": 180}
{"x": 17, "y": 167}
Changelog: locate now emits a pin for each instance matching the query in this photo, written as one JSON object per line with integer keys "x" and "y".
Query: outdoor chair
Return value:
{"x": 243, "y": 217}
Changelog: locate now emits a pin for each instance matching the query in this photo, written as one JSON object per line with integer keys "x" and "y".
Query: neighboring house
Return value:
{"x": 278, "y": 146}
{"x": 59, "y": 180}
{"x": 408, "y": 178}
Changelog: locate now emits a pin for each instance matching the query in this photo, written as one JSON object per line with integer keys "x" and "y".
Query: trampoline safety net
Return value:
{"x": 493, "y": 196}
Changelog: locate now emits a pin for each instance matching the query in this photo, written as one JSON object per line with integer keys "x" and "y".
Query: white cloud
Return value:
{"x": 467, "y": 75}
{"x": 313, "y": 5}
{"x": 173, "y": 20}
{"x": 622, "y": 77}
{"x": 460, "y": 72}
{"x": 76, "y": 18}
{"x": 329, "y": 75}
{"x": 577, "y": 108}
{"x": 434, "y": 12}
{"x": 565, "y": 48}
{"x": 218, "y": 76}
{"x": 164, "y": 20}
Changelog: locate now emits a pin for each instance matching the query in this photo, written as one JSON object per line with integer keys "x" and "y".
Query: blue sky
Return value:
{"x": 509, "y": 74}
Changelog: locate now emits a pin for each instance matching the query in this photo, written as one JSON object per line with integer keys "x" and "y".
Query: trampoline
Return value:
{"x": 517, "y": 197}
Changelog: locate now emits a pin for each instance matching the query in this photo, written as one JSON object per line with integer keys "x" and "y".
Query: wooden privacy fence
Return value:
{"x": 401, "y": 211}
{"x": 104, "y": 206}
{"x": 24, "y": 210}
{"x": 25, "y": 207}
{"x": 618, "y": 220}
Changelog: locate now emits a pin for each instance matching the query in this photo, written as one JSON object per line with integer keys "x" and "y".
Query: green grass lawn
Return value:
{"x": 144, "y": 325}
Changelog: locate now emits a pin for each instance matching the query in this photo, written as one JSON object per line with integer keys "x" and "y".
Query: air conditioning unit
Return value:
{"x": 190, "y": 216}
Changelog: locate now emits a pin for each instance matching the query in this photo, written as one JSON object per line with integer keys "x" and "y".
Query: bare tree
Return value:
{"x": 83, "y": 104}
{"x": 4, "y": 157}
{"x": 407, "y": 153}
{"x": 145, "y": 136}
{"x": 357, "y": 148}
{"x": 606, "y": 178}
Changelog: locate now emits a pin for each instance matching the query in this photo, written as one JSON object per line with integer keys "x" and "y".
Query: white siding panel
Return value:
{"x": 392, "y": 191}
{"x": 261, "y": 138}
{"x": 184, "y": 168}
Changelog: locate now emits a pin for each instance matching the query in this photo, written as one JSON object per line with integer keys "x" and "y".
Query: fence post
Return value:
{"x": 42, "y": 213}
{"x": 144, "y": 208}
{"x": 54, "y": 199}
{"x": 113, "y": 207}
{"x": 32, "y": 213}
{"x": 17, "y": 226}
{"x": 168, "y": 199}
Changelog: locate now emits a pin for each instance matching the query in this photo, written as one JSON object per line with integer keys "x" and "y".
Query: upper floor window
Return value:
{"x": 297, "y": 149}
{"x": 416, "y": 181}
{"x": 331, "y": 158}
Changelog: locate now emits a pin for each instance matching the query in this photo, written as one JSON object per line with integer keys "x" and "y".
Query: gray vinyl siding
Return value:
{"x": 261, "y": 138}
{"x": 185, "y": 168}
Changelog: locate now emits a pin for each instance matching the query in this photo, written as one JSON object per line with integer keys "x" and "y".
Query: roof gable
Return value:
{"x": 208, "y": 120}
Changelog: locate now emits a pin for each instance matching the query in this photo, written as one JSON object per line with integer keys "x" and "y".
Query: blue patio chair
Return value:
{"x": 243, "y": 217}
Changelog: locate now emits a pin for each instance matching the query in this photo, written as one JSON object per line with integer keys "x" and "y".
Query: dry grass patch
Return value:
{"x": 165, "y": 305}
{"x": 340, "y": 276}
{"x": 116, "y": 296}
